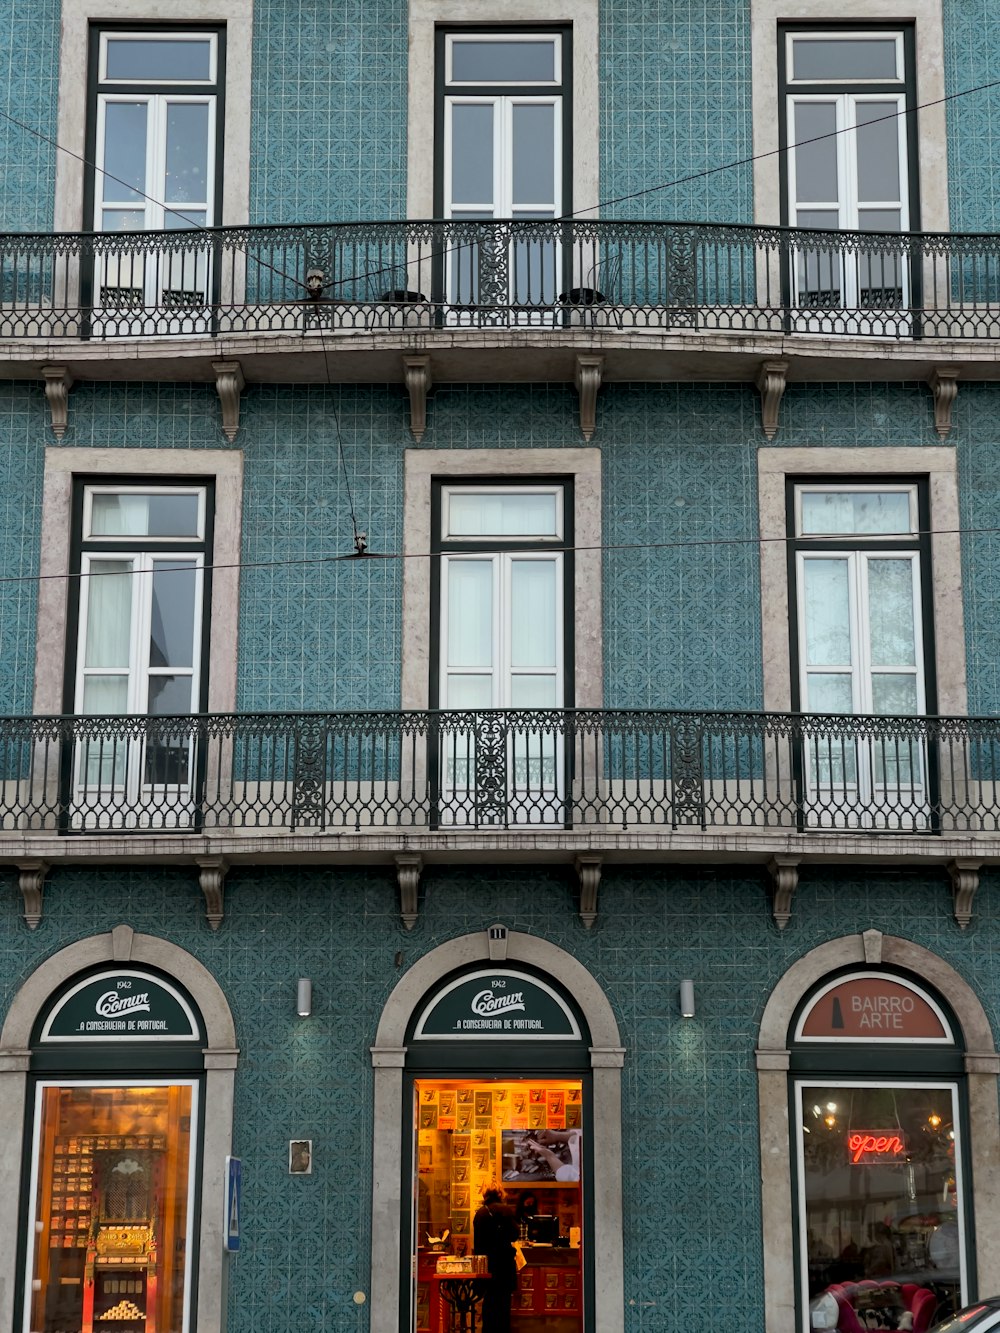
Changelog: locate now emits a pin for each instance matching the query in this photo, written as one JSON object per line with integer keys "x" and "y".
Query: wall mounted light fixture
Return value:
{"x": 304, "y": 1003}
{"x": 687, "y": 999}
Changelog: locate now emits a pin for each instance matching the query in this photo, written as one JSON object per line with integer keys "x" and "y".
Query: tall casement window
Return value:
{"x": 140, "y": 641}
{"x": 852, "y": 165}
{"x": 861, "y": 639}
{"x": 504, "y": 150}
{"x": 155, "y": 121}
{"x": 502, "y": 591}
{"x": 882, "y": 1179}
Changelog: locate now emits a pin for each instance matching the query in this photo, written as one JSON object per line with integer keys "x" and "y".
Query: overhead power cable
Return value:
{"x": 364, "y": 556}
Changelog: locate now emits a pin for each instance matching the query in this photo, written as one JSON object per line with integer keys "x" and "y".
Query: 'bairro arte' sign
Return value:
{"x": 121, "y": 1005}
{"x": 873, "y": 1006}
{"x": 498, "y": 1003}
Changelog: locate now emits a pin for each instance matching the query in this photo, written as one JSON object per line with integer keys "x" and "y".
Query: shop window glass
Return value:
{"x": 523, "y": 1138}
{"x": 882, "y": 1200}
{"x": 112, "y": 1199}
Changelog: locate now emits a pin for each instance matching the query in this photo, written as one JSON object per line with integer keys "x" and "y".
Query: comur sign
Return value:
{"x": 121, "y": 1005}
{"x": 497, "y": 1004}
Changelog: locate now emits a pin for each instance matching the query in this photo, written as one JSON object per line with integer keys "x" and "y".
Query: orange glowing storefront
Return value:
{"x": 500, "y": 1096}
{"x": 113, "y": 1128}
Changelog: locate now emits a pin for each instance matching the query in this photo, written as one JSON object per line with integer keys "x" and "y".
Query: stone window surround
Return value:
{"x": 427, "y": 15}
{"x": 61, "y": 466}
{"x": 389, "y": 1060}
{"x": 940, "y": 465}
{"x": 72, "y": 121}
{"x": 982, "y": 1065}
{"x": 123, "y": 945}
{"x": 932, "y": 143}
{"x": 420, "y": 467}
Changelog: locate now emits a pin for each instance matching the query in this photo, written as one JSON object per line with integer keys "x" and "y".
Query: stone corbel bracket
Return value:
{"x": 964, "y": 876}
{"x": 587, "y": 377}
{"x": 58, "y": 382}
{"x": 588, "y": 868}
{"x": 771, "y": 379}
{"x": 944, "y": 386}
{"x": 229, "y": 385}
{"x": 408, "y": 870}
{"x": 212, "y": 871}
{"x": 418, "y": 379}
{"x": 784, "y": 871}
{"x": 31, "y": 882}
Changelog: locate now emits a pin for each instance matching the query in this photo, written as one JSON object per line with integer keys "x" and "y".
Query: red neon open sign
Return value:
{"x": 873, "y": 1146}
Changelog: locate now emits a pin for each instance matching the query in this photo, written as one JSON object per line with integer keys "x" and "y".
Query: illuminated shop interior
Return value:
{"x": 882, "y": 1194}
{"x": 112, "y": 1200}
{"x": 525, "y": 1138}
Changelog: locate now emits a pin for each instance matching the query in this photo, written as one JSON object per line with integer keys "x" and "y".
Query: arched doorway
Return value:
{"x": 862, "y": 1031}
{"x": 117, "y": 1063}
{"x": 416, "y": 1040}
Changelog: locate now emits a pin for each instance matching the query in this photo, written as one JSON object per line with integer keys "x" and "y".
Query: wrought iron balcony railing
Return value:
{"x": 499, "y": 769}
{"x": 634, "y": 276}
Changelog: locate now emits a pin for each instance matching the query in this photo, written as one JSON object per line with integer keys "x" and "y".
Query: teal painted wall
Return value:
{"x": 691, "y": 1155}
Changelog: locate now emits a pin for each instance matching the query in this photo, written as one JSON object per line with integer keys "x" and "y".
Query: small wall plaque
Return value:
{"x": 300, "y": 1157}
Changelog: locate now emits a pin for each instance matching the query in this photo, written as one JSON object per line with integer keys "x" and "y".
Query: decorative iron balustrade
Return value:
{"x": 499, "y": 769}
{"x": 378, "y": 276}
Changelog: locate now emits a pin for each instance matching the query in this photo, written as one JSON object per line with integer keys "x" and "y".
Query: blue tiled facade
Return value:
{"x": 681, "y": 630}
{"x": 690, "y": 1090}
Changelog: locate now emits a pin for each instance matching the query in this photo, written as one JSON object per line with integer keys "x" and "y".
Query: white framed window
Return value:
{"x": 156, "y": 103}
{"x": 140, "y": 639}
{"x": 154, "y": 144}
{"x": 505, "y": 143}
{"x": 502, "y": 641}
{"x": 851, "y": 164}
{"x": 858, "y": 575}
{"x": 502, "y": 644}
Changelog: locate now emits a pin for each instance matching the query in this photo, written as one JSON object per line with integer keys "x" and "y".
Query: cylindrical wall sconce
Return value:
{"x": 687, "y": 999}
{"x": 304, "y": 1005}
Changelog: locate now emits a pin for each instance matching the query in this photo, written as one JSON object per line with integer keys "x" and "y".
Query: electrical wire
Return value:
{"x": 526, "y": 549}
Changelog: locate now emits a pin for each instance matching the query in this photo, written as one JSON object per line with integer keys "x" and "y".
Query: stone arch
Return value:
{"x": 123, "y": 945}
{"x": 389, "y": 1059}
{"x": 982, "y": 1065}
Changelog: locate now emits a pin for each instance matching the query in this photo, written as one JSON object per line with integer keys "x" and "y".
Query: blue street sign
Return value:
{"x": 234, "y": 1191}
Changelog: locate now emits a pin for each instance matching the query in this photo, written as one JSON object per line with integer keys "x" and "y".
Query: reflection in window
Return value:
{"x": 112, "y": 1195}
{"x": 882, "y": 1198}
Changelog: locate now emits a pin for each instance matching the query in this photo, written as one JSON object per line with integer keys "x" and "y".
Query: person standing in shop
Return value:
{"x": 494, "y": 1230}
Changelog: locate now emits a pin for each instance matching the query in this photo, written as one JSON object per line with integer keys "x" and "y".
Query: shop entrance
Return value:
{"x": 113, "y": 1134}
{"x": 498, "y": 1117}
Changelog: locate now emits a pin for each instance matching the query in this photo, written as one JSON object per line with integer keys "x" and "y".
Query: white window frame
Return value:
{"x": 826, "y": 466}
{"x": 501, "y": 669}
{"x": 502, "y": 205}
{"x": 154, "y": 207}
{"x": 932, "y": 135}
{"x": 583, "y": 465}
{"x": 859, "y": 35}
{"x": 482, "y": 37}
{"x": 139, "y": 672}
{"x": 77, "y": 15}
{"x": 428, "y": 15}
{"x": 558, "y": 492}
{"x": 91, "y": 491}
{"x": 62, "y": 466}
{"x": 803, "y": 1081}
{"x": 848, "y": 206}
{"x": 193, "y": 1150}
{"x": 159, "y": 35}
{"x": 835, "y": 487}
